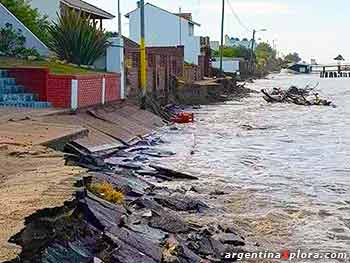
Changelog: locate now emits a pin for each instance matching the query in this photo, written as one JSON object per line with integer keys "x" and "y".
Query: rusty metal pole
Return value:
{"x": 143, "y": 69}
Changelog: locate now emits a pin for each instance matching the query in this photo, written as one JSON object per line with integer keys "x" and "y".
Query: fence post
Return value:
{"x": 115, "y": 61}
{"x": 74, "y": 94}
{"x": 103, "y": 90}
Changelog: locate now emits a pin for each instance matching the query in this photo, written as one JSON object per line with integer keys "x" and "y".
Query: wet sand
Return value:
{"x": 31, "y": 179}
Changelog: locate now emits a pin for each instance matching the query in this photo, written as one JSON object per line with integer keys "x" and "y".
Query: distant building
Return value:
{"x": 53, "y": 7}
{"x": 163, "y": 29}
{"x": 230, "y": 65}
{"x": 236, "y": 42}
{"x": 299, "y": 68}
{"x": 215, "y": 45}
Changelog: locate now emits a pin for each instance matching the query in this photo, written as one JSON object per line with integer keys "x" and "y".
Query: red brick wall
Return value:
{"x": 162, "y": 63}
{"x": 192, "y": 73}
{"x": 35, "y": 80}
{"x": 202, "y": 65}
{"x": 89, "y": 90}
{"x": 59, "y": 90}
{"x": 112, "y": 87}
{"x": 132, "y": 81}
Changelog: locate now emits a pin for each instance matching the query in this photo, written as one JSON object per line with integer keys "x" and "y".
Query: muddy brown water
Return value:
{"x": 285, "y": 168}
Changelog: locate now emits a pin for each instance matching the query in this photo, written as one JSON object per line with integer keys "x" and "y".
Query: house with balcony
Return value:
{"x": 53, "y": 7}
{"x": 167, "y": 29}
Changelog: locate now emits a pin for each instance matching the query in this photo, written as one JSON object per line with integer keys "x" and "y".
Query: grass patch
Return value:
{"x": 54, "y": 67}
{"x": 107, "y": 192}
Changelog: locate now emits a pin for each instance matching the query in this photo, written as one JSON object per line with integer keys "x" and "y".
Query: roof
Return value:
{"x": 187, "y": 16}
{"x": 181, "y": 15}
{"x": 339, "y": 57}
{"x": 89, "y": 8}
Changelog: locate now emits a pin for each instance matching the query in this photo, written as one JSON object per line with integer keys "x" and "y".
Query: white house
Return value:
{"x": 236, "y": 42}
{"x": 231, "y": 65}
{"x": 51, "y": 8}
{"x": 163, "y": 28}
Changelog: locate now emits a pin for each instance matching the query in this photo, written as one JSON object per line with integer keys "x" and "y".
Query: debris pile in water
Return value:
{"x": 146, "y": 225}
{"x": 299, "y": 96}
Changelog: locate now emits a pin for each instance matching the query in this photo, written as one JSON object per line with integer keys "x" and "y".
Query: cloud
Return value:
{"x": 250, "y": 7}
{"x": 260, "y": 7}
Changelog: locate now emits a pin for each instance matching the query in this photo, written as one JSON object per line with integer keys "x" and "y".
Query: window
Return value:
{"x": 190, "y": 29}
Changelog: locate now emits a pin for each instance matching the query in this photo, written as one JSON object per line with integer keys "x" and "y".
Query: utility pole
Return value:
{"x": 252, "y": 58}
{"x": 119, "y": 20}
{"x": 252, "y": 52}
{"x": 143, "y": 69}
{"x": 121, "y": 54}
{"x": 180, "y": 28}
{"x": 222, "y": 35}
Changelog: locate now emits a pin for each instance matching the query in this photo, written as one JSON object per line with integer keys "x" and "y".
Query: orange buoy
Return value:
{"x": 183, "y": 117}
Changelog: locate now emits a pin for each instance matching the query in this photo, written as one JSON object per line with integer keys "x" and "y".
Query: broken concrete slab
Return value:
{"x": 230, "y": 239}
{"x": 100, "y": 213}
{"x": 179, "y": 202}
{"x": 29, "y": 132}
{"x": 172, "y": 173}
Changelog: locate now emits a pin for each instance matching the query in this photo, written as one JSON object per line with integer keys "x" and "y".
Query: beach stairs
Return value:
{"x": 13, "y": 95}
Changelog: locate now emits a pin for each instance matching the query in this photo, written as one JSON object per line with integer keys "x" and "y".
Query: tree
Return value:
{"x": 266, "y": 59}
{"x": 76, "y": 39}
{"x": 234, "y": 52}
{"x": 292, "y": 58}
{"x": 264, "y": 53}
{"x": 30, "y": 17}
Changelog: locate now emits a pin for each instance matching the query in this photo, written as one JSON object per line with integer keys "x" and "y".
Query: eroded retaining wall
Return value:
{"x": 69, "y": 91}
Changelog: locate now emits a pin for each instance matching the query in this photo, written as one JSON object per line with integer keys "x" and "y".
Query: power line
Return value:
{"x": 238, "y": 18}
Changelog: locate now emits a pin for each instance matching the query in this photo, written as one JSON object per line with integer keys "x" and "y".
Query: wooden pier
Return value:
{"x": 331, "y": 70}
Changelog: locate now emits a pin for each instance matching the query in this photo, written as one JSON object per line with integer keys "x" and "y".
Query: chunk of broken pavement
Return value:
{"x": 229, "y": 239}
{"x": 176, "y": 251}
{"x": 180, "y": 203}
{"x": 133, "y": 247}
{"x": 169, "y": 222}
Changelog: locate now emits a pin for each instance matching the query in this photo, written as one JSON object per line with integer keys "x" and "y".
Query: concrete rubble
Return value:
{"x": 149, "y": 226}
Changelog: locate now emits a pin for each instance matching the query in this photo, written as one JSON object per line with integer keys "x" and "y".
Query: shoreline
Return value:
{"x": 34, "y": 177}
{"x": 151, "y": 215}
{"x": 163, "y": 209}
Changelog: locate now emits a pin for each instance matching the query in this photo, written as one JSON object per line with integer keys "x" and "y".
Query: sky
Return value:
{"x": 314, "y": 28}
